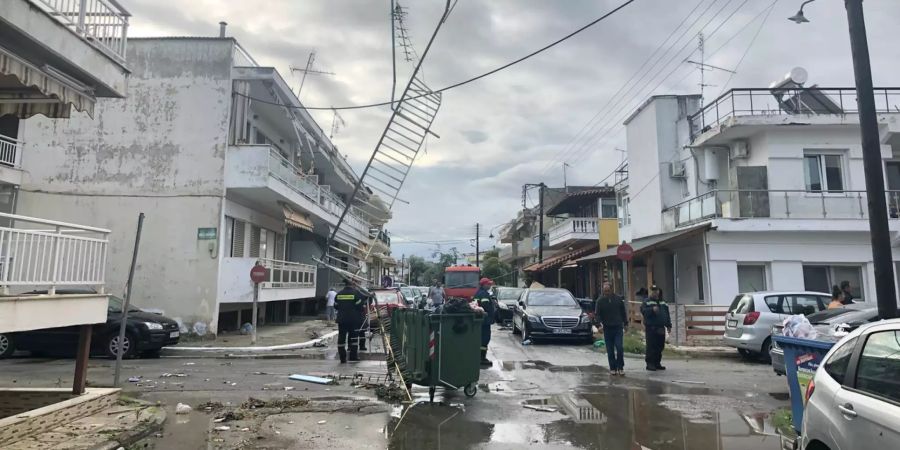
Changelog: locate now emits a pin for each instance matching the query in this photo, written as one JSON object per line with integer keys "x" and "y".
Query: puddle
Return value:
{"x": 612, "y": 417}
{"x": 783, "y": 396}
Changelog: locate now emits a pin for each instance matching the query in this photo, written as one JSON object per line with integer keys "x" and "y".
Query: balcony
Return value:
{"x": 286, "y": 280}
{"x": 46, "y": 255}
{"x": 102, "y": 23}
{"x": 763, "y": 103}
{"x": 10, "y": 160}
{"x": 262, "y": 176}
{"x": 571, "y": 230}
{"x": 779, "y": 209}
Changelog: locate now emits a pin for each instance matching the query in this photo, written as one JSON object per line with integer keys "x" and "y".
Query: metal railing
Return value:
{"x": 776, "y": 102}
{"x": 103, "y": 23}
{"x": 574, "y": 225}
{"x": 288, "y": 173}
{"x": 50, "y": 253}
{"x": 10, "y": 151}
{"x": 777, "y": 204}
{"x": 287, "y": 274}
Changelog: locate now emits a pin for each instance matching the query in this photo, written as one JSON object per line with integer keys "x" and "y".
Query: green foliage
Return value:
{"x": 499, "y": 271}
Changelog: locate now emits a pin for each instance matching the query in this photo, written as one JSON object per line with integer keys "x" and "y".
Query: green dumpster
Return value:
{"x": 438, "y": 349}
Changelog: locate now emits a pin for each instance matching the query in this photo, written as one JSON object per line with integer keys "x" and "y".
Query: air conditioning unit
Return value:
{"x": 740, "y": 150}
{"x": 676, "y": 169}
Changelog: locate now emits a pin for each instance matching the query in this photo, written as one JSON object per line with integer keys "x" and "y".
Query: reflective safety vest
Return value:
{"x": 349, "y": 304}
{"x": 483, "y": 298}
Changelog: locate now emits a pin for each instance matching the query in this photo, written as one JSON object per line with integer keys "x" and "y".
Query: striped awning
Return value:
{"x": 43, "y": 90}
{"x": 297, "y": 220}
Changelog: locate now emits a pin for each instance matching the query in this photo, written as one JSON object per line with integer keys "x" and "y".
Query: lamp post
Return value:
{"x": 885, "y": 290}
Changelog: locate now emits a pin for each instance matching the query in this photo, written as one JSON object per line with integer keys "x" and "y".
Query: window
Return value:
{"x": 822, "y": 278}
{"x": 777, "y": 303}
{"x": 836, "y": 366}
{"x": 805, "y": 304}
{"x": 700, "y": 283}
{"x": 237, "y": 241}
{"x": 751, "y": 278}
{"x": 608, "y": 208}
{"x": 823, "y": 172}
{"x": 742, "y": 304}
{"x": 255, "y": 235}
{"x": 624, "y": 212}
{"x": 879, "y": 365}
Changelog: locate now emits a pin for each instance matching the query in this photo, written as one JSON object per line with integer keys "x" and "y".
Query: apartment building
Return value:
{"x": 229, "y": 169}
{"x": 760, "y": 189}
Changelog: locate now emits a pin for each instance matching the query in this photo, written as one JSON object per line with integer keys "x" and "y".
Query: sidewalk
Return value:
{"x": 268, "y": 335}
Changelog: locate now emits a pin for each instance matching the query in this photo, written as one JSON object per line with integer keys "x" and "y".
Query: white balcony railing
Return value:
{"x": 287, "y": 275}
{"x": 10, "y": 151}
{"x": 777, "y": 204}
{"x": 573, "y": 228}
{"x": 103, "y": 23}
{"x": 46, "y": 253}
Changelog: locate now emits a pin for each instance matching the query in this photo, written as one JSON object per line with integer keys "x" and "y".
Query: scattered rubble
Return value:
{"x": 181, "y": 408}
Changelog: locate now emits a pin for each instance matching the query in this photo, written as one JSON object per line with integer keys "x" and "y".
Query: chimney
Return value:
{"x": 222, "y": 26}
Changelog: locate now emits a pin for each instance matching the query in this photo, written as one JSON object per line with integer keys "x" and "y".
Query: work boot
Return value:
{"x": 651, "y": 368}
{"x": 484, "y": 360}
{"x": 660, "y": 367}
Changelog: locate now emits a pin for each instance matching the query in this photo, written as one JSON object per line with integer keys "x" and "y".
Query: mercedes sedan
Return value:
{"x": 550, "y": 313}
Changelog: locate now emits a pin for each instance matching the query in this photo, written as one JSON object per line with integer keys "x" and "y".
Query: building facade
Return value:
{"x": 229, "y": 170}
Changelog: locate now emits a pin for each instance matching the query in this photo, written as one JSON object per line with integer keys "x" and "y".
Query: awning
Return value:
{"x": 560, "y": 260}
{"x": 39, "y": 91}
{"x": 648, "y": 243}
{"x": 574, "y": 199}
{"x": 296, "y": 220}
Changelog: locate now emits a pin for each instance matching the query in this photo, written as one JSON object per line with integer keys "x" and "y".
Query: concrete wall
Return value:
{"x": 644, "y": 168}
{"x": 161, "y": 151}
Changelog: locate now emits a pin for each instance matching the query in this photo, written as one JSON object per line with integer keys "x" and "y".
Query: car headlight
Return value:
{"x": 534, "y": 319}
{"x": 585, "y": 319}
{"x": 153, "y": 326}
{"x": 502, "y": 305}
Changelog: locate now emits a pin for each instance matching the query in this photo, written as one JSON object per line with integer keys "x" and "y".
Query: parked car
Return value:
{"x": 853, "y": 401}
{"x": 550, "y": 313}
{"x": 387, "y": 301}
{"x": 826, "y": 323}
{"x": 412, "y": 295}
{"x": 749, "y": 321}
{"x": 507, "y": 300}
{"x": 146, "y": 334}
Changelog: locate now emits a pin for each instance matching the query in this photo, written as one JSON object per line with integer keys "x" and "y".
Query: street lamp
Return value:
{"x": 885, "y": 290}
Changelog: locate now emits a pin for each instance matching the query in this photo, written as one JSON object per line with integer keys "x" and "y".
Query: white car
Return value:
{"x": 749, "y": 321}
{"x": 853, "y": 401}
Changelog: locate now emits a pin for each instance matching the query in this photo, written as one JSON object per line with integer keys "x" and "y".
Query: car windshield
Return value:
{"x": 115, "y": 305}
{"x": 456, "y": 280}
{"x": 827, "y": 316}
{"x": 407, "y": 291}
{"x": 509, "y": 294}
{"x": 550, "y": 298}
{"x": 385, "y": 298}
{"x": 857, "y": 317}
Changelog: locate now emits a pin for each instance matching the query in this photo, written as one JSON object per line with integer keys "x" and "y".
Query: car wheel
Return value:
{"x": 746, "y": 354}
{"x": 766, "y": 351}
{"x": 7, "y": 346}
{"x": 128, "y": 346}
{"x": 526, "y": 335}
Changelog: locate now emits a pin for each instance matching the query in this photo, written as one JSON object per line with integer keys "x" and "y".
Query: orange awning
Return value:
{"x": 562, "y": 259}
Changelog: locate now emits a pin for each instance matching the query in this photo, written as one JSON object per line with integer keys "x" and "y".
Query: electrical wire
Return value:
{"x": 749, "y": 46}
{"x": 461, "y": 83}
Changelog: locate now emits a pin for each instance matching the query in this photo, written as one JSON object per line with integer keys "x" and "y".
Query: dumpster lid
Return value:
{"x": 821, "y": 345}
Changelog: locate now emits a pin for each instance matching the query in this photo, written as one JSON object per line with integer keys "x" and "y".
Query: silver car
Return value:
{"x": 749, "y": 321}
{"x": 854, "y": 398}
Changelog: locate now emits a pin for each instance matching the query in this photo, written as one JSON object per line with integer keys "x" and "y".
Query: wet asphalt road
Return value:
{"x": 701, "y": 403}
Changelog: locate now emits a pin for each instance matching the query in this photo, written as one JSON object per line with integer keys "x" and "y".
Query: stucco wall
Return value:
{"x": 159, "y": 151}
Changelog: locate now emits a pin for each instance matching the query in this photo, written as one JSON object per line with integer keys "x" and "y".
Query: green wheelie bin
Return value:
{"x": 438, "y": 349}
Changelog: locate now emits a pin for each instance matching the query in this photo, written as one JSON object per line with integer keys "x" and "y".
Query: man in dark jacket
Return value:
{"x": 350, "y": 305}
{"x": 656, "y": 322}
{"x": 610, "y": 312}
{"x": 484, "y": 299}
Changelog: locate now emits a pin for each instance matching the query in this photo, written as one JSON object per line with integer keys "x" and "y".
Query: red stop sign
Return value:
{"x": 624, "y": 252}
{"x": 258, "y": 274}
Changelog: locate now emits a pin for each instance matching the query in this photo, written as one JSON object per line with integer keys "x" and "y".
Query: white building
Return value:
{"x": 229, "y": 169}
{"x": 761, "y": 189}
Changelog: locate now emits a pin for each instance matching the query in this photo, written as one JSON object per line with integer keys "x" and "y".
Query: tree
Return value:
{"x": 499, "y": 271}
{"x": 417, "y": 269}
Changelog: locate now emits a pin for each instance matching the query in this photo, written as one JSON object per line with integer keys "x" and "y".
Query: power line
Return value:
{"x": 464, "y": 82}
{"x": 749, "y": 46}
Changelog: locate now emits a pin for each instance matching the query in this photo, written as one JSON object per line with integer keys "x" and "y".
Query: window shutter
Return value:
{"x": 254, "y": 241}
{"x": 237, "y": 242}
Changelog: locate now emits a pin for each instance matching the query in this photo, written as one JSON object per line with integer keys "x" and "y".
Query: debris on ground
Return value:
{"x": 540, "y": 408}
{"x": 312, "y": 379}
{"x": 322, "y": 422}
{"x": 688, "y": 382}
{"x": 230, "y": 416}
{"x": 279, "y": 403}
{"x": 134, "y": 379}
{"x": 526, "y": 342}
{"x": 170, "y": 375}
{"x": 181, "y": 408}
{"x": 599, "y": 343}
{"x": 392, "y": 393}
{"x": 211, "y": 406}
{"x": 222, "y": 428}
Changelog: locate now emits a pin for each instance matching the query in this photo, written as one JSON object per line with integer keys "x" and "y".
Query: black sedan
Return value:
{"x": 550, "y": 313}
{"x": 145, "y": 335}
{"x": 507, "y": 299}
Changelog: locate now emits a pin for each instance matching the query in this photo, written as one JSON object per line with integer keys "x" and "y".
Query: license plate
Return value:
{"x": 174, "y": 334}
{"x": 732, "y": 324}
{"x": 562, "y": 331}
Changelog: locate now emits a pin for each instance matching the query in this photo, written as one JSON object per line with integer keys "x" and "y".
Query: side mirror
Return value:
{"x": 522, "y": 304}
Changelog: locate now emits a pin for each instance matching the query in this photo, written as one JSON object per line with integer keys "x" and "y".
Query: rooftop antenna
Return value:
{"x": 703, "y": 67}
{"x": 308, "y": 70}
{"x": 402, "y": 33}
{"x": 336, "y": 123}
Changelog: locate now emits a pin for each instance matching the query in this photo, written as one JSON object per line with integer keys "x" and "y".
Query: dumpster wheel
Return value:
{"x": 470, "y": 390}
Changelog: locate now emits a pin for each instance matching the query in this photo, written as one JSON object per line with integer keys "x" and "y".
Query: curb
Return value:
{"x": 296, "y": 346}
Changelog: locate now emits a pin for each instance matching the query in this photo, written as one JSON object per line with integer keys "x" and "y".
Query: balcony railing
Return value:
{"x": 284, "y": 170}
{"x": 779, "y": 102}
{"x": 286, "y": 274}
{"x": 45, "y": 253}
{"x": 10, "y": 151}
{"x": 777, "y": 204}
{"x": 573, "y": 228}
{"x": 103, "y": 23}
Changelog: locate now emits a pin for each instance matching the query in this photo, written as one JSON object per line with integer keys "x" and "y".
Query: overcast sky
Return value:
{"x": 519, "y": 125}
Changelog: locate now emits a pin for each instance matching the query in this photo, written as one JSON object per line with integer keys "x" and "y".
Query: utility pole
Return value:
{"x": 541, "y": 222}
{"x": 477, "y": 232}
{"x": 402, "y": 262}
{"x": 885, "y": 291}
{"x": 565, "y": 183}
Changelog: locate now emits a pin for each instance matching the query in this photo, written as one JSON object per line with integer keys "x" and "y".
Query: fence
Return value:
{"x": 691, "y": 324}
{"x": 51, "y": 254}
{"x": 286, "y": 274}
{"x": 10, "y": 151}
{"x": 103, "y": 23}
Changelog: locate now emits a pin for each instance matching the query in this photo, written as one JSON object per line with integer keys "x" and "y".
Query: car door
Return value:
{"x": 805, "y": 304}
{"x": 519, "y": 313}
{"x": 870, "y": 406}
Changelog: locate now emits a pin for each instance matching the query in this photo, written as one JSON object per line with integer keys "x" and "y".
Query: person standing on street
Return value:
{"x": 848, "y": 295}
{"x": 483, "y": 299}
{"x": 656, "y": 322}
{"x": 330, "y": 314}
{"x": 610, "y": 313}
{"x": 437, "y": 295}
{"x": 350, "y": 305}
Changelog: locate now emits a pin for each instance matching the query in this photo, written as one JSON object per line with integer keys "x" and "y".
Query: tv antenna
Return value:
{"x": 402, "y": 33}
{"x": 703, "y": 67}
{"x": 337, "y": 122}
{"x": 308, "y": 70}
